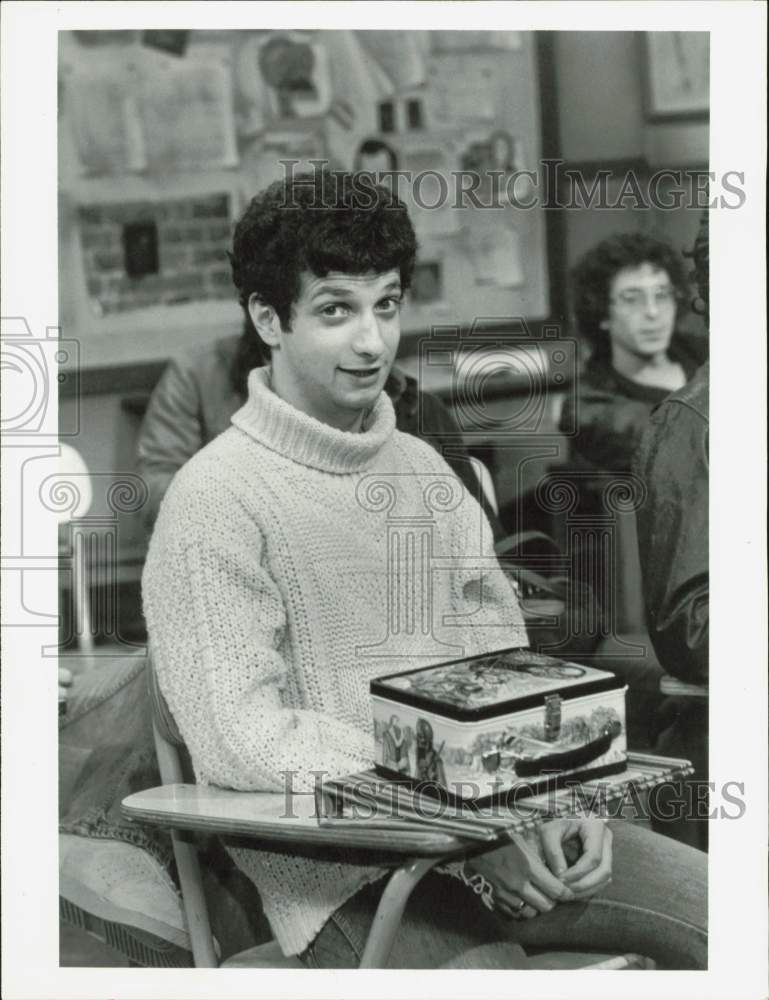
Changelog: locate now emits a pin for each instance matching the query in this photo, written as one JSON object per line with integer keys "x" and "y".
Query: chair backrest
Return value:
{"x": 168, "y": 746}
{"x": 484, "y": 476}
{"x": 161, "y": 713}
{"x": 168, "y": 740}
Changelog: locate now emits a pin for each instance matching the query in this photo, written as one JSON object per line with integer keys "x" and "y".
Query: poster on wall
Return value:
{"x": 458, "y": 119}
{"x": 187, "y": 117}
{"x": 104, "y": 122}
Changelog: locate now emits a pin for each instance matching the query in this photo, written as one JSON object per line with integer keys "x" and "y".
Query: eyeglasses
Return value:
{"x": 638, "y": 298}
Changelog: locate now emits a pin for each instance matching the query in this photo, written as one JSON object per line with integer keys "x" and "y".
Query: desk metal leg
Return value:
{"x": 390, "y": 910}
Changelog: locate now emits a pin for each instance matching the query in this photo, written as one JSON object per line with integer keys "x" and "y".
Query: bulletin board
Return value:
{"x": 169, "y": 133}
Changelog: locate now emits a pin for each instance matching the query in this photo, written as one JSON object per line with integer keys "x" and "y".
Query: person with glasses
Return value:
{"x": 629, "y": 291}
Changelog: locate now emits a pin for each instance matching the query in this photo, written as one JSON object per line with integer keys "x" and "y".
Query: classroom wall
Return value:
{"x": 140, "y": 160}
{"x": 602, "y": 120}
{"x": 599, "y": 106}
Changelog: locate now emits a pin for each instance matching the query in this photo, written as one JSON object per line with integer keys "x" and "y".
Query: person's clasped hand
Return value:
{"x": 571, "y": 859}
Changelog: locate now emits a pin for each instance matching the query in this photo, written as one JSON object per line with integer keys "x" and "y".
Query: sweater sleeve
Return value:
{"x": 484, "y": 602}
{"x": 217, "y": 626}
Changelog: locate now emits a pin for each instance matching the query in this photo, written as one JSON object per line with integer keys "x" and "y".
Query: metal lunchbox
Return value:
{"x": 511, "y": 722}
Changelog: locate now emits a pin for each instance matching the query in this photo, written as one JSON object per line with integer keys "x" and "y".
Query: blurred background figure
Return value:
{"x": 673, "y": 523}
{"x": 628, "y": 293}
{"x": 673, "y": 546}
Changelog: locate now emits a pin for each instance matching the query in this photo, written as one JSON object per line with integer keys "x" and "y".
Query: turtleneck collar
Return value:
{"x": 280, "y": 427}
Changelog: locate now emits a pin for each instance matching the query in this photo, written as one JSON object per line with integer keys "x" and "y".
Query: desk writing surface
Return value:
{"x": 271, "y": 816}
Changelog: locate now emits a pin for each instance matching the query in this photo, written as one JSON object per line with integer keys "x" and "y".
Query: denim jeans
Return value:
{"x": 656, "y": 905}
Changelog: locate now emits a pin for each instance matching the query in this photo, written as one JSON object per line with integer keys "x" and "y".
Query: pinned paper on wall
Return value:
{"x": 429, "y": 195}
{"x": 462, "y": 88}
{"x": 302, "y": 150}
{"x": 253, "y": 110}
{"x": 433, "y": 153}
{"x": 187, "y": 117}
{"x": 493, "y": 156}
{"x": 296, "y": 72}
{"x": 474, "y": 41}
{"x": 496, "y": 258}
{"x": 105, "y": 124}
{"x": 400, "y": 54}
{"x": 170, "y": 41}
{"x": 429, "y": 222}
{"x": 278, "y": 153}
{"x": 359, "y": 86}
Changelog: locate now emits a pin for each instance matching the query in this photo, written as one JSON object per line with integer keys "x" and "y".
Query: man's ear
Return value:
{"x": 603, "y": 325}
{"x": 265, "y": 319}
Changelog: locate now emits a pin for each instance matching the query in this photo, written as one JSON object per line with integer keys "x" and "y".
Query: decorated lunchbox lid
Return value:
{"x": 496, "y": 683}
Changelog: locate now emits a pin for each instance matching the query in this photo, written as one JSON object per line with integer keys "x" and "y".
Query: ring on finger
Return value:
{"x": 514, "y": 910}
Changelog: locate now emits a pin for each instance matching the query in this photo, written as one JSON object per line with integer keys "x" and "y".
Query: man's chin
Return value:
{"x": 363, "y": 399}
{"x": 653, "y": 345}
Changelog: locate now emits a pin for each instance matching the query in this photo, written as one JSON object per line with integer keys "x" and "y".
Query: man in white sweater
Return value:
{"x": 266, "y": 584}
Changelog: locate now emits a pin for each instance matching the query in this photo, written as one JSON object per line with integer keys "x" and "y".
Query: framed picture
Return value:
{"x": 677, "y": 75}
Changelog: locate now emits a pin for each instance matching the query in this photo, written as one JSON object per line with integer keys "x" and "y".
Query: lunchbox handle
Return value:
{"x": 567, "y": 760}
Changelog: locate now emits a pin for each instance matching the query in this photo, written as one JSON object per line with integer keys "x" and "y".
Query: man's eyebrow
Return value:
{"x": 663, "y": 283}
{"x": 340, "y": 290}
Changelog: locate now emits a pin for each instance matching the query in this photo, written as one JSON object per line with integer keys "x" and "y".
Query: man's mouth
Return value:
{"x": 362, "y": 373}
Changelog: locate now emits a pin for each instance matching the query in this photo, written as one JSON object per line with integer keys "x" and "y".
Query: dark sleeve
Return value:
{"x": 608, "y": 427}
{"x": 673, "y": 539}
{"x": 172, "y": 432}
{"x": 691, "y": 350}
{"x": 438, "y": 427}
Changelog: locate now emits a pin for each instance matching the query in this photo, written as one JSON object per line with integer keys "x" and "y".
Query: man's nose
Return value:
{"x": 368, "y": 336}
{"x": 652, "y": 305}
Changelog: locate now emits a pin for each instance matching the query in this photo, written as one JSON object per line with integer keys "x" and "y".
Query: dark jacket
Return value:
{"x": 611, "y": 411}
{"x": 196, "y": 397}
{"x": 673, "y": 529}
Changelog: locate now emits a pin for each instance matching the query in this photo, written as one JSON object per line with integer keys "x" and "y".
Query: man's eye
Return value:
{"x": 334, "y": 310}
{"x": 390, "y": 304}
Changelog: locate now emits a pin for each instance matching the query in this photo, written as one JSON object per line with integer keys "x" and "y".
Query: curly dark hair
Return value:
{"x": 321, "y": 222}
{"x": 593, "y": 275}
{"x": 700, "y": 256}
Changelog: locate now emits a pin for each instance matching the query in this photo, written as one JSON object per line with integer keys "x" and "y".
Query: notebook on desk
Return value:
{"x": 367, "y": 799}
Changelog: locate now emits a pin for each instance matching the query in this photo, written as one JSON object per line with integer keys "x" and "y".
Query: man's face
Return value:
{"x": 642, "y": 310}
{"x": 334, "y": 361}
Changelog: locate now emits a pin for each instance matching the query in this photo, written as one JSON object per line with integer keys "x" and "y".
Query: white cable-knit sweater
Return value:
{"x": 265, "y": 588}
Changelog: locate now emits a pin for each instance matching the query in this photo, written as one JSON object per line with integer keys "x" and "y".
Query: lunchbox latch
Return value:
{"x": 552, "y": 717}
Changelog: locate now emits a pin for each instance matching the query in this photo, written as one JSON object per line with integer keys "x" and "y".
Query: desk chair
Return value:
{"x": 194, "y": 809}
{"x": 412, "y": 854}
{"x": 486, "y": 480}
